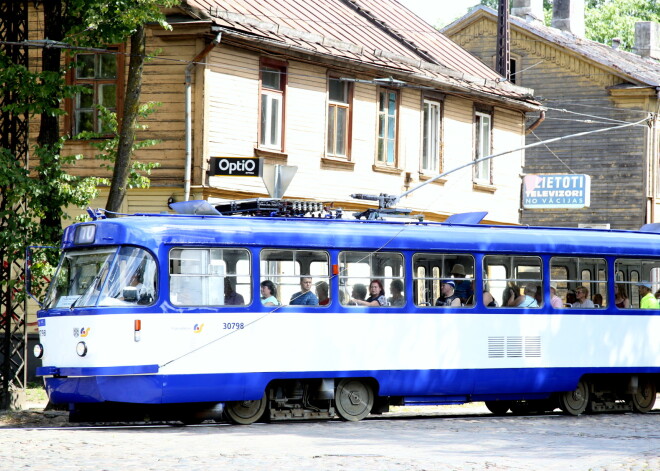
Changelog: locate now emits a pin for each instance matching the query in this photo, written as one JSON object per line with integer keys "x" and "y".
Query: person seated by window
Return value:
{"x": 511, "y": 296}
{"x": 397, "y": 299}
{"x": 529, "y": 299}
{"x": 582, "y": 298}
{"x": 269, "y": 294}
{"x": 376, "y": 295}
{"x": 448, "y": 297}
{"x": 232, "y": 298}
{"x": 304, "y": 297}
{"x": 359, "y": 293}
{"x": 463, "y": 287}
{"x": 570, "y": 297}
{"x": 621, "y": 298}
{"x": 555, "y": 300}
{"x": 647, "y": 300}
{"x": 539, "y": 295}
{"x": 598, "y": 299}
{"x": 489, "y": 300}
{"x": 322, "y": 293}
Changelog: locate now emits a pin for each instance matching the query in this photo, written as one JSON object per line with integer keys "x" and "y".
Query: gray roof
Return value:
{"x": 631, "y": 67}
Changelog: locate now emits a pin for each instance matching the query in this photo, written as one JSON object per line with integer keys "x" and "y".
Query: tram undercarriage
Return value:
{"x": 606, "y": 393}
{"x": 353, "y": 399}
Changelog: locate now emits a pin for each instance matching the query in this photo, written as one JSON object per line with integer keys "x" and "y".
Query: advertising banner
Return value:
{"x": 556, "y": 191}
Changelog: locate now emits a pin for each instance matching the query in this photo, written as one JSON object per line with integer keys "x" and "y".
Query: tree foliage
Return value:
{"x": 113, "y": 21}
{"x": 608, "y": 19}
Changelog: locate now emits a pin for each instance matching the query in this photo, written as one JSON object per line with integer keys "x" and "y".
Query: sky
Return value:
{"x": 440, "y": 12}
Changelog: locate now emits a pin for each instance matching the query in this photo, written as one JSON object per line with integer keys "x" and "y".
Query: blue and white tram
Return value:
{"x": 162, "y": 316}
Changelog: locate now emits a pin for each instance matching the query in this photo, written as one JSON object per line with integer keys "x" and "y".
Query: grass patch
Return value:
{"x": 35, "y": 392}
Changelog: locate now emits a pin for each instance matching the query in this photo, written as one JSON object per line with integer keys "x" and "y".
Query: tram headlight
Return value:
{"x": 81, "y": 349}
{"x": 38, "y": 350}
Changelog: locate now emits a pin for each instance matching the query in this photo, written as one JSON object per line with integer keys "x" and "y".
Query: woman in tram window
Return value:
{"x": 269, "y": 294}
{"x": 621, "y": 298}
{"x": 376, "y": 295}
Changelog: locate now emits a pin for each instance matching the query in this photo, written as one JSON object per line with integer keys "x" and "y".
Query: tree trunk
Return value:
{"x": 127, "y": 127}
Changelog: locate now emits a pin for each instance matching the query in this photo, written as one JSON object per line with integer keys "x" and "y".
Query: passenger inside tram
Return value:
{"x": 397, "y": 299}
{"x": 376, "y": 295}
{"x": 322, "y": 293}
{"x": 232, "y": 298}
{"x": 304, "y": 297}
{"x": 448, "y": 297}
{"x": 269, "y": 293}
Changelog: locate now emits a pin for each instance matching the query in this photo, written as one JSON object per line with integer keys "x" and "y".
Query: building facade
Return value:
{"x": 362, "y": 96}
{"x": 585, "y": 85}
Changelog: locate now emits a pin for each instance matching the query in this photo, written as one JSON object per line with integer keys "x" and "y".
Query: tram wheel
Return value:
{"x": 644, "y": 399}
{"x": 246, "y": 412}
{"x": 575, "y": 402}
{"x": 498, "y": 407}
{"x": 354, "y": 399}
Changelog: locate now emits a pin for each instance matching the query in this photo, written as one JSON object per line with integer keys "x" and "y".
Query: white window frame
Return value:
{"x": 384, "y": 117}
{"x": 333, "y": 121}
{"x": 431, "y": 137}
{"x": 483, "y": 146}
{"x": 272, "y": 122}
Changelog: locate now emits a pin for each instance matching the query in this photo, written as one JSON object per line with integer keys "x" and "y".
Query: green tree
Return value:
{"x": 607, "y": 19}
{"x": 113, "y": 21}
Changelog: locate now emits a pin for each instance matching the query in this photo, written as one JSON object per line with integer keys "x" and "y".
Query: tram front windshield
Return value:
{"x": 110, "y": 276}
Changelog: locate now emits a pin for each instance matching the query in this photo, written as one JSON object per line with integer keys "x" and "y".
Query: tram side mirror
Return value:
{"x": 130, "y": 294}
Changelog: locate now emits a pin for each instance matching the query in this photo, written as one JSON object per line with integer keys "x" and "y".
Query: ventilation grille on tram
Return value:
{"x": 514, "y": 347}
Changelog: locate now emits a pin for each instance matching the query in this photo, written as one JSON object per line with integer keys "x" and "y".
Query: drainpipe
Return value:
{"x": 188, "y": 112}
{"x": 536, "y": 123}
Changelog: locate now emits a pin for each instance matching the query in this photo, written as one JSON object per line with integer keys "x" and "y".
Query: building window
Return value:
{"x": 99, "y": 75}
{"x": 387, "y": 136}
{"x": 431, "y": 140}
{"x": 513, "y": 70}
{"x": 273, "y": 84}
{"x": 339, "y": 117}
{"x": 482, "y": 147}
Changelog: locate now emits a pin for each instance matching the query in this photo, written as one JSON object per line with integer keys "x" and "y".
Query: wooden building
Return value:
{"x": 585, "y": 85}
{"x": 362, "y": 96}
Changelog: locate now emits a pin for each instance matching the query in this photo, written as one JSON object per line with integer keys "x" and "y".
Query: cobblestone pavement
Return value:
{"x": 440, "y": 440}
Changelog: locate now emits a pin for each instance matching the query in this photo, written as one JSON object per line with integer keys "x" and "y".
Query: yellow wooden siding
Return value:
{"x": 225, "y": 123}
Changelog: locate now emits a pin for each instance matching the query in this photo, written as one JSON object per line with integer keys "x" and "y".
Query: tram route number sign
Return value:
{"x": 556, "y": 191}
{"x": 236, "y": 166}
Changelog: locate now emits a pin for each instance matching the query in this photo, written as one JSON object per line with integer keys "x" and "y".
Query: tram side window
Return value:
{"x": 431, "y": 269}
{"x": 580, "y": 282}
{"x": 362, "y": 274}
{"x": 514, "y": 281}
{"x": 631, "y": 277}
{"x": 290, "y": 272}
{"x": 210, "y": 277}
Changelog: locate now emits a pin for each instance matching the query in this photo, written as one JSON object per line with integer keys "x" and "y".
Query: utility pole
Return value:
{"x": 14, "y": 138}
{"x": 503, "y": 40}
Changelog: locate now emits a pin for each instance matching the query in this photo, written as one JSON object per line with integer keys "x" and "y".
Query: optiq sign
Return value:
{"x": 236, "y": 166}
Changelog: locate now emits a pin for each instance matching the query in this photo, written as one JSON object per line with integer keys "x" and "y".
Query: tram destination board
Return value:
{"x": 236, "y": 166}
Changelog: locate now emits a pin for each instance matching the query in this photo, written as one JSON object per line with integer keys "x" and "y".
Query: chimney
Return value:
{"x": 616, "y": 43}
{"x": 528, "y": 10}
{"x": 647, "y": 39}
{"x": 568, "y": 15}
